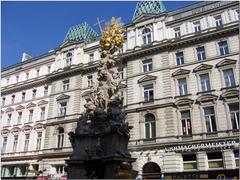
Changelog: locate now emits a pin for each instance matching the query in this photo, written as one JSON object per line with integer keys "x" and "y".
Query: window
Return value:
{"x": 49, "y": 69}
{"x": 68, "y": 59}
{"x": 121, "y": 72}
{"x": 63, "y": 109}
{"x": 91, "y": 57}
{"x": 30, "y": 117}
{"x": 19, "y": 120}
{"x": 205, "y": 82}
{"x": 60, "y": 169}
{"x": 148, "y": 93}
{"x": 90, "y": 81}
{"x": 236, "y": 156}
{"x": 9, "y": 119}
{"x": 23, "y": 96}
{"x": 189, "y": 161}
{"x": 179, "y": 58}
{"x": 237, "y": 13}
{"x": 15, "y": 142}
{"x": 177, "y": 32}
{"x": 197, "y": 26}
{"x": 26, "y": 143}
{"x": 186, "y": 123}
{"x": 7, "y": 81}
{"x": 201, "y": 53}
{"x": 17, "y": 79}
{"x": 182, "y": 86}
{"x": 27, "y": 76}
{"x": 147, "y": 65}
{"x": 210, "y": 119}
{"x": 4, "y": 144}
{"x": 13, "y": 99}
{"x": 215, "y": 160}
{"x": 60, "y": 137}
{"x": 37, "y": 74}
{"x": 45, "y": 93}
{"x": 146, "y": 34}
{"x": 39, "y": 140}
{"x": 42, "y": 113}
{"x": 150, "y": 126}
{"x": 229, "y": 78}
{"x": 218, "y": 21}
{"x": 34, "y": 92}
{"x": 223, "y": 48}
{"x": 3, "y": 101}
{"x": 234, "y": 113}
{"x": 66, "y": 85}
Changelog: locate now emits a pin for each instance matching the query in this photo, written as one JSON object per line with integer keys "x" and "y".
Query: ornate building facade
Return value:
{"x": 179, "y": 73}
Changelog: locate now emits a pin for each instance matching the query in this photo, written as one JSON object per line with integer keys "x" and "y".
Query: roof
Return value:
{"x": 148, "y": 7}
{"x": 81, "y": 32}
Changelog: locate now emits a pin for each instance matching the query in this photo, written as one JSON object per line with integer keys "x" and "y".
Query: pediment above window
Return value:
{"x": 38, "y": 127}
{"x": 184, "y": 102}
{"x": 143, "y": 17}
{"x": 202, "y": 67}
{"x": 62, "y": 97}
{"x": 15, "y": 130}
{"x": 26, "y": 128}
{"x": 30, "y": 105}
{"x": 180, "y": 72}
{"x": 206, "y": 98}
{"x": 42, "y": 102}
{"x": 20, "y": 107}
{"x": 147, "y": 78}
{"x": 68, "y": 43}
{"x": 229, "y": 94}
{"x": 226, "y": 62}
{"x": 9, "y": 110}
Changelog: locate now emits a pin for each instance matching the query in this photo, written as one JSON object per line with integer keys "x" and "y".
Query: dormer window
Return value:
{"x": 69, "y": 59}
{"x": 146, "y": 35}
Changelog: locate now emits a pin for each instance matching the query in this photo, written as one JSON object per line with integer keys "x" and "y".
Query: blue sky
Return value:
{"x": 37, "y": 27}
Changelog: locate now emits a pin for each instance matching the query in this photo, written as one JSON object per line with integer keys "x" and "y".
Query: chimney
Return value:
{"x": 26, "y": 56}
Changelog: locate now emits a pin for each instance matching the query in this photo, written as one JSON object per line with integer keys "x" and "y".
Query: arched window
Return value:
{"x": 69, "y": 59}
{"x": 60, "y": 137}
{"x": 150, "y": 126}
{"x": 151, "y": 170}
{"x": 146, "y": 34}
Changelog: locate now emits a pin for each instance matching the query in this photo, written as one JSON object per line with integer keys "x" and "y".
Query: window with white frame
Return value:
{"x": 147, "y": 65}
{"x": 215, "y": 160}
{"x": 39, "y": 140}
{"x": 146, "y": 35}
{"x": 13, "y": 99}
{"x": 197, "y": 26}
{"x": 66, "y": 85}
{"x": 15, "y": 142}
{"x": 90, "y": 81}
{"x": 223, "y": 48}
{"x": 4, "y": 145}
{"x": 60, "y": 137}
{"x": 237, "y": 157}
{"x": 45, "y": 92}
{"x": 27, "y": 76}
{"x": 189, "y": 161}
{"x": 205, "y": 82}
{"x": 49, "y": 69}
{"x": 3, "y": 101}
{"x": 234, "y": 113}
{"x": 23, "y": 96}
{"x": 30, "y": 116}
{"x": 210, "y": 119}
{"x": 237, "y": 13}
{"x": 150, "y": 126}
{"x": 42, "y": 113}
{"x": 37, "y": 74}
{"x": 177, "y": 32}
{"x": 9, "y": 119}
{"x": 34, "y": 93}
{"x": 26, "y": 142}
{"x": 19, "y": 119}
{"x": 17, "y": 79}
{"x": 218, "y": 21}
{"x": 201, "y": 53}
{"x": 186, "y": 123}
{"x": 68, "y": 59}
{"x": 91, "y": 57}
{"x": 229, "y": 77}
{"x": 179, "y": 58}
{"x": 182, "y": 86}
{"x": 63, "y": 109}
{"x": 148, "y": 93}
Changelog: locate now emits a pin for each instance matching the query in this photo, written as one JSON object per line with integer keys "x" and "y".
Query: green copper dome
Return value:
{"x": 148, "y": 7}
{"x": 81, "y": 32}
